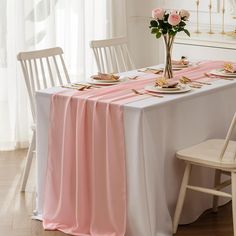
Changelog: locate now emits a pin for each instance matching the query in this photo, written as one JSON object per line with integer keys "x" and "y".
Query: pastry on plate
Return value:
{"x": 103, "y": 76}
{"x": 164, "y": 83}
{"x": 229, "y": 68}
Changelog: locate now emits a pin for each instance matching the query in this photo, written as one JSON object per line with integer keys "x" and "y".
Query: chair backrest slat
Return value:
{"x": 106, "y": 54}
{"x": 32, "y": 81}
{"x": 50, "y": 72}
{"x": 112, "y": 55}
{"x": 36, "y": 74}
{"x": 123, "y": 53}
{"x": 228, "y": 136}
{"x": 57, "y": 70}
{"x": 96, "y": 55}
{"x": 100, "y": 52}
{"x": 112, "y": 61}
{"x": 132, "y": 66}
{"x": 116, "y": 55}
{"x": 43, "y": 73}
{"x": 39, "y": 73}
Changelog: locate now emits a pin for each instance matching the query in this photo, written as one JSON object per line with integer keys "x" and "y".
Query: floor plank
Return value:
{"x": 16, "y": 208}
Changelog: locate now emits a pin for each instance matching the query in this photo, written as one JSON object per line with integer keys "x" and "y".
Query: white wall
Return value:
{"x": 143, "y": 45}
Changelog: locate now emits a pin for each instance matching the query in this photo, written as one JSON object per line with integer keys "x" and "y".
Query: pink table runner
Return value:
{"x": 85, "y": 191}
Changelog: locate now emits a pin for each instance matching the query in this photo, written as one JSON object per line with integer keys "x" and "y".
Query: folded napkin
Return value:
{"x": 164, "y": 83}
{"x": 102, "y": 76}
{"x": 230, "y": 68}
{"x": 182, "y": 61}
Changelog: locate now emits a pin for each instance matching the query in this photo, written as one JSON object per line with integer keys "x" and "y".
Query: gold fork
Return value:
{"x": 141, "y": 93}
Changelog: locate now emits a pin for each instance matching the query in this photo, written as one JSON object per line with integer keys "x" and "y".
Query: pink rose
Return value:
{"x": 184, "y": 14}
{"x": 158, "y": 14}
{"x": 174, "y": 19}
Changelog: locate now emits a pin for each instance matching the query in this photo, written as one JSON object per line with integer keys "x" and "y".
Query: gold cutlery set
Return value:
{"x": 192, "y": 83}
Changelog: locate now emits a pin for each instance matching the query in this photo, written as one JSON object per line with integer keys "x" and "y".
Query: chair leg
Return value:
{"x": 233, "y": 186}
{"x": 181, "y": 197}
{"x": 29, "y": 158}
{"x": 216, "y": 198}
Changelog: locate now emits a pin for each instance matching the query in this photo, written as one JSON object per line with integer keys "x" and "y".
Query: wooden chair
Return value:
{"x": 218, "y": 154}
{"x": 41, "y": 69}
{"x": 112, "y": 55}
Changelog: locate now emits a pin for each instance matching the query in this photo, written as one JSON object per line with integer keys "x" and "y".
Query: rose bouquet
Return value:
{"x": 168, "y": 24}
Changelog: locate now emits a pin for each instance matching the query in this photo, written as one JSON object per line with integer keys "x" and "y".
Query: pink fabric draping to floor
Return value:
{"x": 85, "y": 191}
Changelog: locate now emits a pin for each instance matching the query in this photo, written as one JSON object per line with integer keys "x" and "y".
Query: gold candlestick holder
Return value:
{"x": 223, "y": 20}
{"x": 197, "y": 31}
{"x": 210, "y": 14}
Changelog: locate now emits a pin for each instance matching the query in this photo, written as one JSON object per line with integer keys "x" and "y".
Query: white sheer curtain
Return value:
{"x": 37, "y": 24}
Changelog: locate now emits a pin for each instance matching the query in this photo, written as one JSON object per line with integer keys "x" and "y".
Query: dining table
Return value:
{"x": 154, "y": 129}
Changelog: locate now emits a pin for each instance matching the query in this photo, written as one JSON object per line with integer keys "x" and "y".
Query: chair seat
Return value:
{"x": 208, "y": 154}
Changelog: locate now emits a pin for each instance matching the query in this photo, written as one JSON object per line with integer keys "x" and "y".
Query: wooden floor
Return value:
{"x": 16, "y": 208}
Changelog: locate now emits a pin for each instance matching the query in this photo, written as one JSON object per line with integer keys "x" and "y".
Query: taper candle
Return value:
{"x": 210, "y": 11}
{"x": 223, "y": 17}
{"x": 197, "y": 3}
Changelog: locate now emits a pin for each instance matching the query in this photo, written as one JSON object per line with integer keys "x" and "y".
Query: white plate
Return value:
{"x": 103, "y": 82}
{"x": 221, "y": 72}
{"x": 154, "y": 89}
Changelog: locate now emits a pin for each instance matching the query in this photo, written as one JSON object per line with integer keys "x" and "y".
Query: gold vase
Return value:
{"x": 168, "y": 41}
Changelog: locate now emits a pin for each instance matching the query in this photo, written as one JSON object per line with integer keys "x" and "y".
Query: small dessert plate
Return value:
{"x": 157, "y": 89}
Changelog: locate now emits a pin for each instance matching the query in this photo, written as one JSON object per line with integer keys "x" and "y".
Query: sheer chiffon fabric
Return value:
{"x": 85, "y": 191}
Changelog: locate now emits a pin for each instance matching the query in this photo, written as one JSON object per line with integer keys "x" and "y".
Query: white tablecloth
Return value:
{"x": 154, "y": 130}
